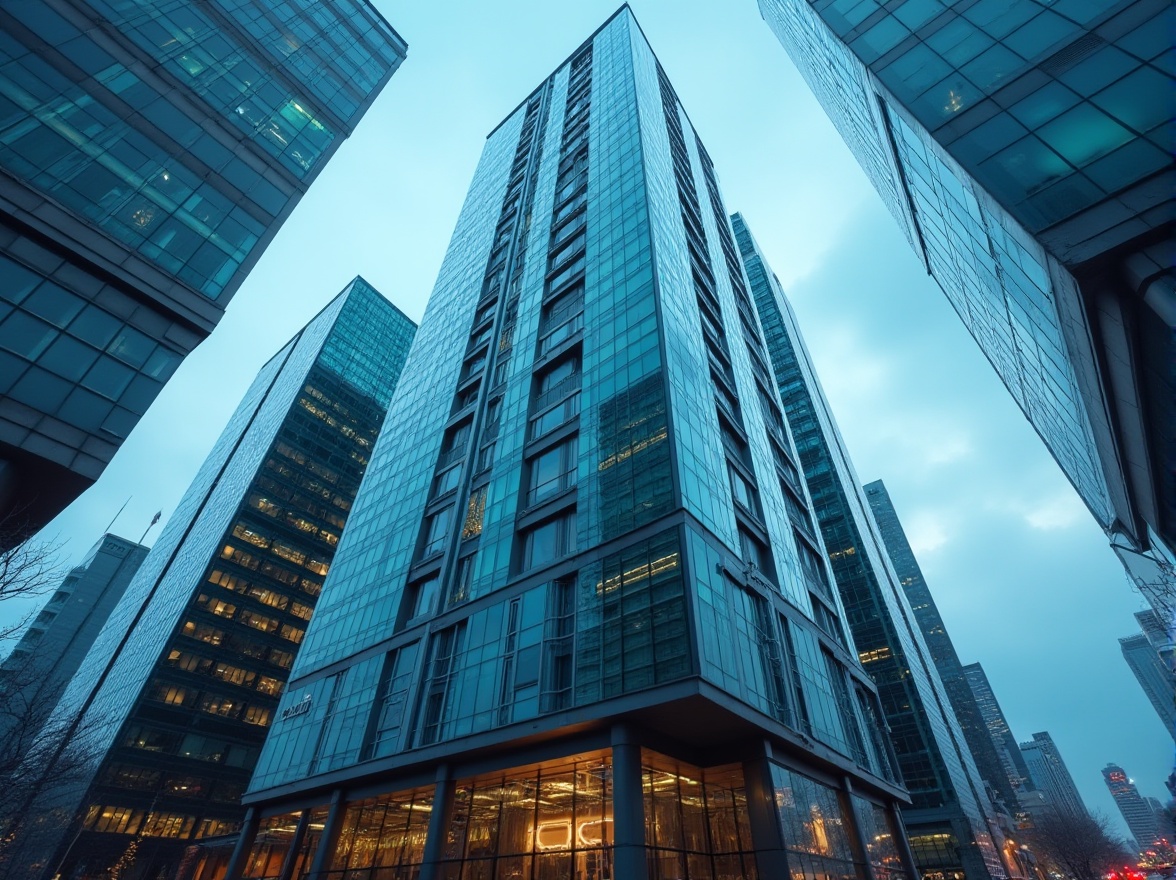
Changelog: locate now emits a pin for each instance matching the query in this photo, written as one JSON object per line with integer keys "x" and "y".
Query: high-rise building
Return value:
{"x": 939, "y": 643}
{"x": 950, "y": 822}
{"x": 570, "y": 631}
{"x": 174, "y": 700}
{"x": 148, "y": 155}
{"x": 1137, "y": 813}
{"x": 1154, "y": 677}
{"x": 1051, "y": 776}
{"x": 998, "y": 727}
{"x": 1025, "y": 150}
{"x": 34, "y": 674}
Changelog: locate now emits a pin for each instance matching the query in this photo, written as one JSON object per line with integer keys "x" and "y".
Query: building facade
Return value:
{"x": 1155, "y": 677}
{"x": 1007, "y": 748}
{"x": 148, "y": 155}
{"x": 34, "y": 674}
{"x": 1025, "y": 151}
{"x": 939, "y": 643}
{"x": 571, "y": 630}
{"x": 1137, "y": 812}
{"x": 1051, "y": 776}
{"x": 174, "y": 700}
{"x": 950, "y": 821}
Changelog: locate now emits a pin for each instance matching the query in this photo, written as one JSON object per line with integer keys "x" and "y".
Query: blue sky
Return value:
{"x": 1023, "y": 577}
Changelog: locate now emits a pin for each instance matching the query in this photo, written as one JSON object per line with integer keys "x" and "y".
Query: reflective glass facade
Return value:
{"x": 1025, "y": 148}
{"x": 1051, "y": 776}
{"x": 998, "y": 728}
{"x": 939, "y": 644}
{"x": 585, "y": 541}
{"x": 950, "y": 805}
{"x": 175, "y": 698}
{"x": 148, "y": 154}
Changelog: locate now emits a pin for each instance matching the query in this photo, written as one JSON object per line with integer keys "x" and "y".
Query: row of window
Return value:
{"x": 192, "y": 746}
{"x": 210, "y": 702}
{"x": 152, "y": 823}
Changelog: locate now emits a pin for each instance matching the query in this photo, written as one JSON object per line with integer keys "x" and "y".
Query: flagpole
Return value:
{"x": 154, "y": 520}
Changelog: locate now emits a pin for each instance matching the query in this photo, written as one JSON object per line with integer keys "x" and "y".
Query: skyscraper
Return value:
{"x": 1025, "y": 150}
{"x": 175, "y": 698}
{"x": 998, "y": 727}
{"x": 570, "y": 630}
{"x": 939, "y": 643}
{"x": 1137, "y": 813}
{"x": 951, "y": 825}
{"x": 1051, "y": 776}
{"x": 1153, "y": 676}
{"x": 50, "y": 651}
{"x": 148, "y": 155}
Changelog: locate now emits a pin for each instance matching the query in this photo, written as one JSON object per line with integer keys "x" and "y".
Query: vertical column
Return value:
{"x": 904, "y": 845}
{"x": 766, "y": 835}
{"x": 439, "y": 819}
{"x": 295, "y": 844}
{"x": 330, "y": 839}
{"x": 858, "y": 837}
{"x": 628, "y": 806}
{"x": 244, "y": 845}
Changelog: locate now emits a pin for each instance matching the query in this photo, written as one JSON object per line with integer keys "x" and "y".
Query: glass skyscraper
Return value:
{"x": 35, "y": 673}
{"x": 939, "y": 643}
{"x": 1139, "y": 815}
{"x": 998, "y": 727}
{"x": 1051, "y": 776}
{"x": 149, "y": 152}
{"x": 174, "y": 700}
{"x": 950, "y": 822}
{"x": 575, "y": 628}
{"x": 1025, "y": 149}
{"x": 1154, "y": 677}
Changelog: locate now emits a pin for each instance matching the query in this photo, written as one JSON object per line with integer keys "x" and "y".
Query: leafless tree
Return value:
{"x": 30, "y": 567}
{"x": 1080, "y": 847}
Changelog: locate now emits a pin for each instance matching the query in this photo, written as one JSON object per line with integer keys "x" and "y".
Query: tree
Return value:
{"x": 1081, "y": 847}
{"x": 28, "y": 568}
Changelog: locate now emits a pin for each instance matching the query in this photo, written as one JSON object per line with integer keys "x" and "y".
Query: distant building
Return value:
{"x": 950, "y": 820}
{"x": 1007, "y": 749}
{"x": 1153, "y": 676}
{"x": 33, "y": 676}
{"x": 1050, "y": 775}
{"x": 939, "y": 643}
{"x": 178, "y": 692}
{"x": 1139, "y": 815}
{"x": 149, "y": 152}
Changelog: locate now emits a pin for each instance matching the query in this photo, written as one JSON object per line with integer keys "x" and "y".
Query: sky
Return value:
{"x": 1022, "y": 575}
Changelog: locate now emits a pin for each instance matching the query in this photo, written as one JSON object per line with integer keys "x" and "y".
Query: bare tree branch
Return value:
{"x": 30, "y": 568}
{"x": 1080, "y": 847}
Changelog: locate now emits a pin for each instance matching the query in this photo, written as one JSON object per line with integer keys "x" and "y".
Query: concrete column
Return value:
{"x": 766, "y": 835}
{"x": 439, "y": 819}
{"x": 628, "y": 806}
{"x": 330, "y": 839}
{"x": 244, "y": 845}
{"x": 904, "y": 846}
{"x": 858, "y": 836}
{"x": 295, "y": 843}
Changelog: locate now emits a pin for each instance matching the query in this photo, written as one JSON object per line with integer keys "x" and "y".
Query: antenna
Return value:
{"x": 117, "y": 515}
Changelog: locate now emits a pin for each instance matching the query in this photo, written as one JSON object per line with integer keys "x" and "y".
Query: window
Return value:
{"x": 446, "y": 481}
{"x": 436, "y": 532}
{"x": 744, "y": 492}
{"x": 553, "y": 471}
{"x": 556, "y": 416}
{"x": 550, "y": 540}
{"x": 420, "y": 598}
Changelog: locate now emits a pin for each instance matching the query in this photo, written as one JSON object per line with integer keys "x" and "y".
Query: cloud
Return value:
{"x": 1060, "y": 511}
